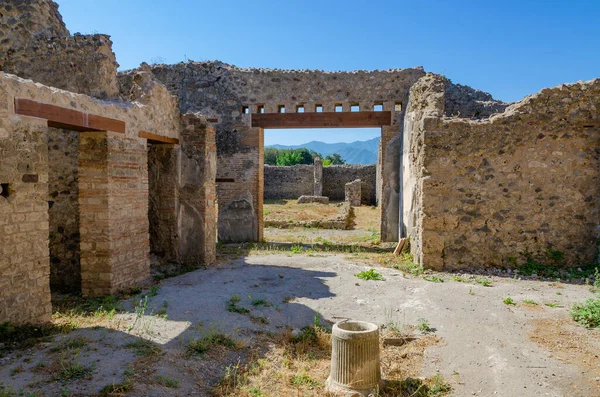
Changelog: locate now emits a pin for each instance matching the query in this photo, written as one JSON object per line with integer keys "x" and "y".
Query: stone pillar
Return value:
{"x": 318, "y": 169}
{"x": 163, "y": 190}
{"x": 353, "y": 192}
{"x": 113, "y": 205}
{"x": 197, "y": 192}
{"x": 390, "y": 182}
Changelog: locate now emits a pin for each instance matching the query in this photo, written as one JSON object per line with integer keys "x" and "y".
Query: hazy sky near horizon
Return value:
{"x": 509, "y": 48}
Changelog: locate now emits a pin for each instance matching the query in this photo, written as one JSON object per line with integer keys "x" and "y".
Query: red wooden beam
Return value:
{"x": 153, "y": 138}
{"x": 322, "y": 120}
{"x": 69, "y": 119}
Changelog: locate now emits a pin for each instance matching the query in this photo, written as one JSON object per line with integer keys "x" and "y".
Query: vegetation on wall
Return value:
{"x": 287, "y": 157}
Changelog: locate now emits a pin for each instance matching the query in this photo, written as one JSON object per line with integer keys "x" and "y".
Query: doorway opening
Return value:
{"x": 318, "y": 163}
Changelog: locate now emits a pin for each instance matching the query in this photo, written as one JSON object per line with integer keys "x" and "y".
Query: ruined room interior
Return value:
{"x": 103, "y": 171}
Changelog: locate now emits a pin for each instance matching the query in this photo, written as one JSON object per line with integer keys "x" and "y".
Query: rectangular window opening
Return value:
{"x": 280, "y": 108}
{"x": 355, "y": 107}
{"x": 245, "y": 110}
{"x": 4, "y": 190}
{"x": 339, "y": 108}
{"x": 319, "y": 108}
{"x": 378, "y": 107}
{"x": 300, "y": 109}
{"x": 398, "y": 107}
{"x": 260, "y": 109}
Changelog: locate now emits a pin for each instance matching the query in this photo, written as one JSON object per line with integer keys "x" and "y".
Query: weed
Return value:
{"x": 260, "y": 319}
{"x": 558, "y": 293}
{"x": 433, "y": 279}
{"x": 203, "y": 345}
{"x": 460, "y": 279}
{"x": 587, "y": 313}
{"x": 296, "y": 249}
{"x": 144, "y": 347}
{"x": 153, "y": 291}
{"x": 486, "y": 282}
{"x": 116, "y": 389}
{"x": 509, "y": 301}
{"x": 370, "y": 274}
{"x": 71, "y": 344}
{"x": 424, "y": 326}
{"x": 168, "y": 382}
{"x": 261, "y": 302}
{"x": 414, "y": 387}
{"x": 552, "y": 304}
{"x": 287, "y": 299}
{"x": 471, "y": 291}
{"x": 71, "y": 370}
{"x": 303, "y": 379}
{"x": 530, "y": 302}
{"x": 233, "y": 307}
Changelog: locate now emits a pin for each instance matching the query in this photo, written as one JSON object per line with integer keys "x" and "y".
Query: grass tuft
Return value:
{"x": 587, "y": 313}
{"x": 370, "y": 274}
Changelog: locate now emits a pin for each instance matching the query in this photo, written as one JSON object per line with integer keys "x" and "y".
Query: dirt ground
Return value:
{"x": 485, "y": 348}
{"x": 365, "y": 231}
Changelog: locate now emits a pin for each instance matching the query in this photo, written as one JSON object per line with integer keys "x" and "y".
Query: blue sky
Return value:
{"x": 508, "y": 48}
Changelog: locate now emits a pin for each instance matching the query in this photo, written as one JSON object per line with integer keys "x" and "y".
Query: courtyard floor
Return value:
{"x": 256, "y": 325}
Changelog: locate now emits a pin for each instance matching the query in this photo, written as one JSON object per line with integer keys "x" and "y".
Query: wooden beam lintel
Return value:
{"x": 154, "y": 138}
{"x": 322, "y": 120}
{"x": 65, "y": 118}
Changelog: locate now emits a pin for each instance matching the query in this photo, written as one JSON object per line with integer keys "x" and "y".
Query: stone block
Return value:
{"x": 353, "y": 193}
{"x": 313, "y": 199}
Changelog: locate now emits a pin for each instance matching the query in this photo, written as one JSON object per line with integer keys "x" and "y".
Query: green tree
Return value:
{"x": 334, "y": 159}
{"x": 271, "y": 154}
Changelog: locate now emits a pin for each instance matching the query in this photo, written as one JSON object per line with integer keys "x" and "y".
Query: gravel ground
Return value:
{"x": 488, "y": 348}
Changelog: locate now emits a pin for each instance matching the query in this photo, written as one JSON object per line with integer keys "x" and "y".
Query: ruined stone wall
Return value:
{"x": 335, "y": 178}
{"x": 288, "y": 182}
{"x": 426, "y": 103}
{"x": 223, "y": 92}
{"x": 295, "y": 181}
{"x": 35, "y": 44}
{"x": 81, "y": 63}
{"x": 518, "y": 185}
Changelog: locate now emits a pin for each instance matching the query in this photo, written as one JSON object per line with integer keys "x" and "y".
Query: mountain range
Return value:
{"x": 359, "y": 152}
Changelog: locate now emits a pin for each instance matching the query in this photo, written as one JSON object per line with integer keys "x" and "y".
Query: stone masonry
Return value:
{"x": 353, "y": 193}
{"x": 298, "y": 180}
{"x": 501, "y": 190}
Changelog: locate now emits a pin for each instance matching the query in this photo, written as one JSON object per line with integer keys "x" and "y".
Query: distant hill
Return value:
{"x": 359, "y": 152}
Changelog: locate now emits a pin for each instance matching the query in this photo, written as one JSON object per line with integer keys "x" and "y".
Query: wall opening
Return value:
{"x": 4, "y": 190}
{"x": 285, "y": 220}
{"x": 63, "y": 210}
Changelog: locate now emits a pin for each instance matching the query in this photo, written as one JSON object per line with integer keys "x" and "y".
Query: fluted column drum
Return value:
{"x": 354, "y": 358}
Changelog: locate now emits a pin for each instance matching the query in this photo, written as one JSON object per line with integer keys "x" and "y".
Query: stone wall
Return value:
{"x": 519, "y": 185}
{"x": 24, "y": 258}
{"x": 295, "y": 181}
{"x": 289, "y": 182}
{"x": 35, "y": 44}
{"x": 335, "y": 178}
